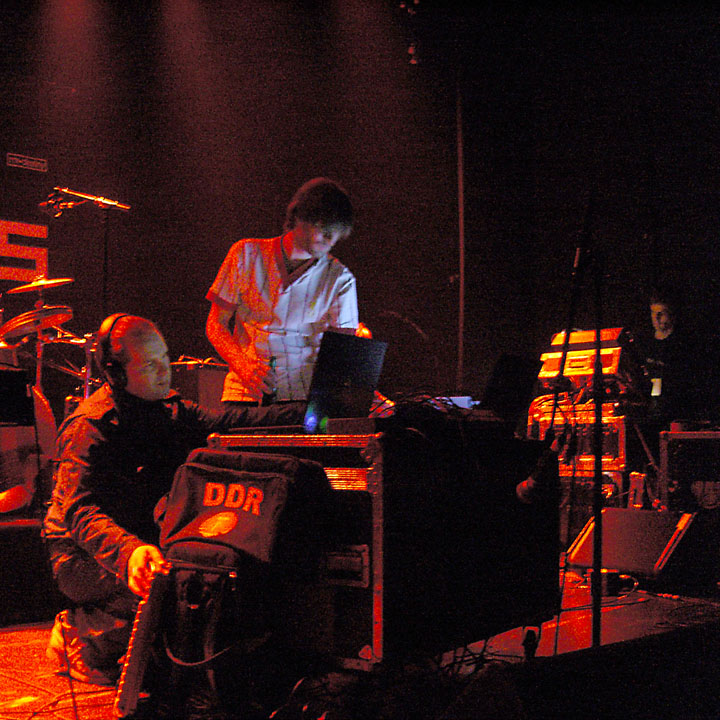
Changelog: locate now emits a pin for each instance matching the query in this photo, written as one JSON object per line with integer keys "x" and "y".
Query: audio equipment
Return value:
{"x": 136, "y": 658}
{"x": 578, "y": 458}
{"x": 108, "y": 365}
{"x": 576, "y": 406}
{"x": 580, "y": 360}
{"x": 30, "y": 593}
{"x": 200, "y": 381}
{"x": 690, "y": 464}
{"x": 433, "y": 549}
{"x": 16, "y": 407}
{"x": 668, "y": 551}
{"x": 576, "y": 461}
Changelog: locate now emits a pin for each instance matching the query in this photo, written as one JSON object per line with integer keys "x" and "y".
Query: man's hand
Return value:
{"x": 269, "y": 381}
{"x": 257, "y": 377}
{"x": 142, "y": 566}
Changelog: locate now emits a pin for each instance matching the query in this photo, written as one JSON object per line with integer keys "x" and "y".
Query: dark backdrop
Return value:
{"x": 587, "y": 125}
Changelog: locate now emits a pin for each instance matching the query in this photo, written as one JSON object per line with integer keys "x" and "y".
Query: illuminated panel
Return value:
{"x": 348, "y": 478}
{"x": 351, "y": 441}
{"x": 580, "y": 362}
{"x": 12, "y": 256}
{"x": 578, "y": 337}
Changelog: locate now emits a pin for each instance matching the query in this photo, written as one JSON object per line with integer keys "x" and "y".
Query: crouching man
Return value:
{"x": 116, "y": 457}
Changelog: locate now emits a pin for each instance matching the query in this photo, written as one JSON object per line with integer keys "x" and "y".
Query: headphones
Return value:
{"x": 110, "y": 366}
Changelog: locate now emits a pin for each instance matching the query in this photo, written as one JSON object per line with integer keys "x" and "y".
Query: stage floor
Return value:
{"x": 29, "y": 687}
{"x": 659, "y": 657}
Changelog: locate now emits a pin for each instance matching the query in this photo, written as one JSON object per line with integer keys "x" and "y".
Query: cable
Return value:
{"x": 69, "y": 674}
{"x": 561, "y": 594}
{"x": 463, "y": 657}
{"x": 48, "y": 707}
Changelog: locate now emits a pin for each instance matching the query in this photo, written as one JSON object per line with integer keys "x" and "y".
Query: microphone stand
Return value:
{"x": 584, "y": 258}
{"x": 598, "y": 397}
{"x": 106, "y": 258}
{"x": 55, "y": 205}
{"x": 579, "y": 265}
{"x": 106, "y": 206}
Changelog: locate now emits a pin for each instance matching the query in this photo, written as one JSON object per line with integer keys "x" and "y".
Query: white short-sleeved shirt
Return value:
{"x": 282, "y": 315}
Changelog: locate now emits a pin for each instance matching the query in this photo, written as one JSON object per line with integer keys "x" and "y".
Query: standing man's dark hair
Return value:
{"x": 320, "y": 201}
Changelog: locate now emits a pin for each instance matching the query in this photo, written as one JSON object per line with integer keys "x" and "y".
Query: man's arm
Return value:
{"x": 344, "y": 315}
{"x": 198, "y": 422}
{"x": 254, "y": 376}
{"x": 77, "y": 512}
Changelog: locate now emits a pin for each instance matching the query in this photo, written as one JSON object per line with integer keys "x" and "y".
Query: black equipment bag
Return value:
{"x": 272, "y": 507}
{"x": 213, "y": 620}
{"x": 233, "y": 524}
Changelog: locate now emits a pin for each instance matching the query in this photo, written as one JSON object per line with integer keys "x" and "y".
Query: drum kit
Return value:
{"x": 44, "y": 324}
{"x": 26, "y": 452}
{"x": 37, "y": 329}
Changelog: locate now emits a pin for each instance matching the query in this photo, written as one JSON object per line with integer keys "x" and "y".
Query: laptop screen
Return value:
{"x": 510, "y": 388}
{"x": 344, "y": 380}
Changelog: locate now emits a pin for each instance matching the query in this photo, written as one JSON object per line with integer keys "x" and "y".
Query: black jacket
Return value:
{"x": 116, "y": 457}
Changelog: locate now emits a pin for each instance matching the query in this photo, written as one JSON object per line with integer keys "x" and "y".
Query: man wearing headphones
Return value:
{"x": 116, "y": 457}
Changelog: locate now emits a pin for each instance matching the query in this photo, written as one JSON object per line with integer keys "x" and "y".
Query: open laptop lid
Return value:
{"x": 344, "y": 380}
{"x": 509, "y": 390}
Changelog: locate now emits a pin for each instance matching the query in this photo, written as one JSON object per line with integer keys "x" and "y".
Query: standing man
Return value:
{"x": 116, "y": 457}
{"x": 273, "y": 298}
{"x": 677, "y": 364}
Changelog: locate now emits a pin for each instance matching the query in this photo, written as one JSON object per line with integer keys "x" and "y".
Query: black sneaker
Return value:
{"x": 65, "y": 651}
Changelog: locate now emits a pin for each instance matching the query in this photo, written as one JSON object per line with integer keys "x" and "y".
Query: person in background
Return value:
{"x": 676, "y": 364}
{"x": 682, "y": 366}
{"x": 273, "y": 298}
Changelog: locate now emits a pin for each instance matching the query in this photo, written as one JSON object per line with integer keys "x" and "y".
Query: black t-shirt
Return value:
{"x": 677, "y": 370}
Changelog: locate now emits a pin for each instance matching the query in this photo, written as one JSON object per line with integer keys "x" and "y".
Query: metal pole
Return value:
{"x": 598, "y": 397}
{"x": 106, "y": 261}
{"x": 461, "y": 233}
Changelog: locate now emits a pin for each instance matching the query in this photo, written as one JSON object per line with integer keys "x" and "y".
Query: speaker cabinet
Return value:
{"x": 28, "y": 592}
{"x": 200, "y": 382}
{"x": 16, "y": 405}
{"x": 668, "y": 551}
{"x": 690, "y": 463}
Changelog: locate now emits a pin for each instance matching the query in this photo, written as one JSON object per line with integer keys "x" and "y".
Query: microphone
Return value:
{"x": 56, "y": 203}
{"x": 55, "y": 206}
{"x": 51, "y": 207}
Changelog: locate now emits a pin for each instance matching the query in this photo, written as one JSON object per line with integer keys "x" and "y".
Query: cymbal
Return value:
{"x": 67, "y": 339}
{"x": 34, "y": 321}
{"x": 40, "y": 284}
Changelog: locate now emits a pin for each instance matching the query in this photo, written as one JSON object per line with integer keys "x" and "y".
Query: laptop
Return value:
{"x": 509, "y": 390}
{"x": 344, "y": 380}
{"x": 346, "y": 375}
